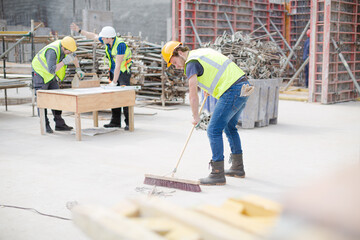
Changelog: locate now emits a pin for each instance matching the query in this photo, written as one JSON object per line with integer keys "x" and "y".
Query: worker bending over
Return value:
{"x": 49, "y": 64}
{"x": 119, "y": 56}
{"x": 223, "y": 79}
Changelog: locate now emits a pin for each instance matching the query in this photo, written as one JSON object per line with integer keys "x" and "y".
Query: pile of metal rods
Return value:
{"x": 258, "y": 59}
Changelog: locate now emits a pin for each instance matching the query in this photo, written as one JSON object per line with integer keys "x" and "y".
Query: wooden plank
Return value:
{"x": 89, "y": 83}
{"x": 259, "y": 207}
{"x": 254, "y": 225}
{"x": 168, "y": 228}
{"x": 100, "y": 223}
{"x": 94, "y": 102}
{"x": 96, "y": 118}
{"x": 9, "y": 33}
{"x": 233, "y": 206}
{"x": 131, "y": 118}
{"x": 209, "y": 228}
{"x": 78, "y": 126}
{"x": 42, "y": 121}
{"x": 46, "y": 99}
{"x": 127, "y": 209}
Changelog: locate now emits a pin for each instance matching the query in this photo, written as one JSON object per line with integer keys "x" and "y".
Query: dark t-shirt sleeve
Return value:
{"x": 194, "y": 67}
{"x": 121, "y": 48}
{"x": 51, "y": 58}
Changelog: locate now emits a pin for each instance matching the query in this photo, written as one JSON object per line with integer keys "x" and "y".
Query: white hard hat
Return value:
{"x": 107, "y": 32}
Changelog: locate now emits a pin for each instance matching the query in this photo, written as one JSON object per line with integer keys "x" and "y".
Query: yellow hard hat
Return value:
{"x": 168, "y": 49}
{"x": 69, "y": 43}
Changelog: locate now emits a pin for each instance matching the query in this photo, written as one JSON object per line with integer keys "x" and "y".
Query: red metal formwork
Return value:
{"x": 299, "y": 18}
{"x": 277, "y": 16}
{"x": 209, "y": 19}
{"x": 338, "y": 20}
{"x": 261, "y": 10}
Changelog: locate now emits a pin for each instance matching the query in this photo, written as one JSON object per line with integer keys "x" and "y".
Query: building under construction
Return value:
{"x": 129, "y": 165}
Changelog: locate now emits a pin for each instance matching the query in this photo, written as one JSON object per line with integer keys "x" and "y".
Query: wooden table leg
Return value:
{"x": 131, "y": 118}
{"x": 96, "y": 118}
{"x": 78, "y": 126}
{"x": 42, "y": 121}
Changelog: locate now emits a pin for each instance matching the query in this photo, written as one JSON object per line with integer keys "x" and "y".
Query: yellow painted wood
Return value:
{"x": 100, "y": 223}
{"x": 233, "y": 206}
{"x": 259, "y": 207}
{"x": 14, "y": 32}
{"x": 208, "y": 227}
{"x": 127, "y": 209}
{"x": 258, "y": 225}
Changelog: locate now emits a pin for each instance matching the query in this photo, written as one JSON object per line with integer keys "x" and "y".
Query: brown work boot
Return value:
{"x": 217, "y": 176}
{"x": 237, "y": 166}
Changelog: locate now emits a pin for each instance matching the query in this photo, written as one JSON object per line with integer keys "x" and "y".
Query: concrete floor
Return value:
{"x": 45, "y": 172}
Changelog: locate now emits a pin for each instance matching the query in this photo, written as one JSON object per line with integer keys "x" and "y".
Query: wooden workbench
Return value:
{"x": 85, "y": 100}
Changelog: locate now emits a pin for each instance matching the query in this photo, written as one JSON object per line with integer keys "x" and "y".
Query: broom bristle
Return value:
{"x": 169, "y": 183}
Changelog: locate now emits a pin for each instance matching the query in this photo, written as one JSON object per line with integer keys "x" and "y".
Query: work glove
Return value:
{"x": 68, "y": 59}
{"x": 81, "y": 74}
{"x": 246, "y": 90}
{"x": 112, "y": 84}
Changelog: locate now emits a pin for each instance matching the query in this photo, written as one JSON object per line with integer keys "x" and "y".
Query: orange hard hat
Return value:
{"x": 168, "y": 50}
{"x": 308, "y": 33}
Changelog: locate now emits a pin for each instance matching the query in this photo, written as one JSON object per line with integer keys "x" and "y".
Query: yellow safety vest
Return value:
{"x": 40, "y": 65}
{"x": 126, "y": 63}
{"x": 219, "y": 71}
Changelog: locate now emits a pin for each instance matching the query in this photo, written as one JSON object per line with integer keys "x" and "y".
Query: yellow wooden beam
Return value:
{"x": 12, "y": 33}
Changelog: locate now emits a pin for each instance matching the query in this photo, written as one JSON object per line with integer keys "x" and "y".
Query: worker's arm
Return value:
{"x": 88, "y": 35}
{"x": 194, "y": 98}
{"x": 50, "y": 56}
{"x": 76, "y": 62}
{"x": 118, "y": 61}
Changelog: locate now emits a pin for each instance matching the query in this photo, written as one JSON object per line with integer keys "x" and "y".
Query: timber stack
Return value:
{"x": 148, "y": 71}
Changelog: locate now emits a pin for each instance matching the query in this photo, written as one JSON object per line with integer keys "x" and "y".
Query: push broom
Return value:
{"x": 171, "y": 182}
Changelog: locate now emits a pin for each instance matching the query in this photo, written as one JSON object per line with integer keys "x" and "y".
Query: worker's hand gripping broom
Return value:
{"x": 171, "y": 182}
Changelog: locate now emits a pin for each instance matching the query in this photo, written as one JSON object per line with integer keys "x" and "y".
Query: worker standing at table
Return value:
{"x": 50, "y": 64}
{"x": 119, "y": 57}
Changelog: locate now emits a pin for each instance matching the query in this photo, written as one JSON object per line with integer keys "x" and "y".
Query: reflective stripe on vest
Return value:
{"x": 127, "y": 61}
{"x": 219, "y": 71}
{"x": 40, "y": 66}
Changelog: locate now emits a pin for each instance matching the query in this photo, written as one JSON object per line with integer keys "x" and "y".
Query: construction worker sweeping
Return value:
{"x": 49, "y": 64}
{"x": 223, "y": 79}
{"x": 119, "y": 56}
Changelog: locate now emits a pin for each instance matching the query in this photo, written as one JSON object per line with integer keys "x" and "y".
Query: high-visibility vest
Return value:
{"x": 40, "y": 65}
{"x": 219, "y": 71}
{"x": 126, "y": 63}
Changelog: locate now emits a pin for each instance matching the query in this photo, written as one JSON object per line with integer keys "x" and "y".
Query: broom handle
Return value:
{"x": 188, "y": 138}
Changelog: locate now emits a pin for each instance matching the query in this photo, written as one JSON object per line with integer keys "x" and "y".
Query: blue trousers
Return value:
{"x": 225, "y": 118}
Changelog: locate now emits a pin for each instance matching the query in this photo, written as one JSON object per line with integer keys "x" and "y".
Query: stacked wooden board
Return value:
{"x": 152, "y": 218}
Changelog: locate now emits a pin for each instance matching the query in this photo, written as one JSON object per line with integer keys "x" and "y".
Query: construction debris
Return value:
{"x": 258, "y": 59}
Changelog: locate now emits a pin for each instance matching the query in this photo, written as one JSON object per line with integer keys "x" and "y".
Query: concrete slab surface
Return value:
{"x": 47, "y": 171}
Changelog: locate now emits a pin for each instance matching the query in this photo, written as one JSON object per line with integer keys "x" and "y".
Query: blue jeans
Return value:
{"x": 225, "y": 118}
